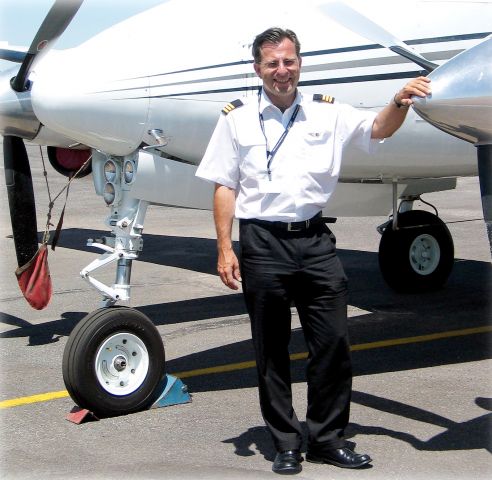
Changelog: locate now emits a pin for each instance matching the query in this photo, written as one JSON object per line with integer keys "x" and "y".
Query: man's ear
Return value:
{"x": 257, "y": 69}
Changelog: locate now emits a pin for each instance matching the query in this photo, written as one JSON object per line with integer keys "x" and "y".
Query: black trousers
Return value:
{"x": 277, "y": 268}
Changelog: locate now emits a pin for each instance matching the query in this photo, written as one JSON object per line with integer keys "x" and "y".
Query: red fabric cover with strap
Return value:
{"x": 34, "y": 279}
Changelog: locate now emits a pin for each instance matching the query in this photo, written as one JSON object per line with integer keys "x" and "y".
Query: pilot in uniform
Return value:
{"x": 287, "y": 251}
{"x": 282, "y": 168}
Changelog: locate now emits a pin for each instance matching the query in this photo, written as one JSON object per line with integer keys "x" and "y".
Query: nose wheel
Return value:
{"x": 114, "y": 362}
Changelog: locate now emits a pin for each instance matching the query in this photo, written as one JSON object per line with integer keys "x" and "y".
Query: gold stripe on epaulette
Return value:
{"x": 231, "y": 106}
{"x": 317, "y": 97}
{"x": 228, "y": 108}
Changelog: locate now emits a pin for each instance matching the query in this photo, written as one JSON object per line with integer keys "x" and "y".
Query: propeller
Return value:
{"x": 55, "y": 23}
{"x": 24, "y": 124}
{"x": 461, "y": 99}
{"x": 358, "y": 23}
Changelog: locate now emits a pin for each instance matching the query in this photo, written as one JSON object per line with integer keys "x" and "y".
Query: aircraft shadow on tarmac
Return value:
{"x": 465, "y": 295}
{"x": 463, "y": 303}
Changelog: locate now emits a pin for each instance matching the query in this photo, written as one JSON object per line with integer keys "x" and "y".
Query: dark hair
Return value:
{"x": 274, "y": 35}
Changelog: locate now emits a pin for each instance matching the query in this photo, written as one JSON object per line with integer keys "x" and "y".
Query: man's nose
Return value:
{"x": 282, "y": 68}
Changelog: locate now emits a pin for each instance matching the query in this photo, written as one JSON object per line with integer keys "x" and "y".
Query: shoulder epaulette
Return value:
{"x": 231, "y": 106}
{"x": 317, "y": 97}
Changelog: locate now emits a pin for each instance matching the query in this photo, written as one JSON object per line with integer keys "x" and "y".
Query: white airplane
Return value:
{"x": 143, "y": 97}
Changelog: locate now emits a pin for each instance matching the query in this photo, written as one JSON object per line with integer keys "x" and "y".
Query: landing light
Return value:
{"x": 129, "y": 171}
{"x": 109, "y": 194}
{"x": 110, "y": 171}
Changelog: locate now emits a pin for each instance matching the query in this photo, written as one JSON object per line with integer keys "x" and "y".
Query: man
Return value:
{"x": 275, "y": 162}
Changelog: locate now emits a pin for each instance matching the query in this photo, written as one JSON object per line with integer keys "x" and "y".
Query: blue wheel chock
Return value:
{"x": 174, "y": 392}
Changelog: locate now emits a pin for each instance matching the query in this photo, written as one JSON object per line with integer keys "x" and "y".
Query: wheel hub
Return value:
{"x": 122, "y": 363}
{"x": 424, "y": 254}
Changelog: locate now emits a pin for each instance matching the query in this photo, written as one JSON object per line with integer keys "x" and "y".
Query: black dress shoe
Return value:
{"x": 287, "y": 462}
{"x": 340, "y": 457}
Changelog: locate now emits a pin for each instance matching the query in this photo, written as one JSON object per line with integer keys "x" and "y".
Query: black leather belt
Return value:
{"x": 291, "y": 226}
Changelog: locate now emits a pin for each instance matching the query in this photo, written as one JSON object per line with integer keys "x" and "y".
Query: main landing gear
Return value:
{"x": 416, "y": 251}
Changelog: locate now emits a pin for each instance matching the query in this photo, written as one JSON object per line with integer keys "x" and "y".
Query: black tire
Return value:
{"x": 96, "y": 351}
{"x": 419, "y": 256}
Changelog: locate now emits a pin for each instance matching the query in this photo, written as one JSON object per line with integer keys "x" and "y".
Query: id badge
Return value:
{"x": 269, "y": 185}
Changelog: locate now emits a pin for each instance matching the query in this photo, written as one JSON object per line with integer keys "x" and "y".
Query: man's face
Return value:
{"x": 279, "y": 69}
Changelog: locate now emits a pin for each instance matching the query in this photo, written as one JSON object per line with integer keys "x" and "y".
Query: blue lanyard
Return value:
{"x": 271, "y": 153}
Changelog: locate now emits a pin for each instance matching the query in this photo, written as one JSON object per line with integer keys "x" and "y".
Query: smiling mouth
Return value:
{"x": 283, "y": 82}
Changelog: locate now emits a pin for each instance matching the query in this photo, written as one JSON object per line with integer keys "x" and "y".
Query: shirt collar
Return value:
{"x": 265, "y": 101}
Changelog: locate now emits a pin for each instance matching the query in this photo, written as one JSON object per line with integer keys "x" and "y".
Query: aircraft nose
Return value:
{"x": 461, "y": 99}
{"x": 17, "y": 117}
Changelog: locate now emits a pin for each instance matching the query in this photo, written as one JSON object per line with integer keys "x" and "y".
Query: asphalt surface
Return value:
{"x": 422, "y": 385}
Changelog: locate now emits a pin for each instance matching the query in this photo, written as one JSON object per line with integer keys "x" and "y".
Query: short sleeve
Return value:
{"x": 357, "y": 126}
{"x": 220, "y": 164}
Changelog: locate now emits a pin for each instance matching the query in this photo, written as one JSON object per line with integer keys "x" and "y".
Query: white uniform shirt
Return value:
{"x": 305, "y": 169}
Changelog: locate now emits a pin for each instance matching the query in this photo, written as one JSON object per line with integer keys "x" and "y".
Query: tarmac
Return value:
{"x": 422, "y": 370}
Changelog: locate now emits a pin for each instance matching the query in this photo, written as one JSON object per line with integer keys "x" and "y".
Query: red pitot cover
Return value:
{"x": 34, "y": 279}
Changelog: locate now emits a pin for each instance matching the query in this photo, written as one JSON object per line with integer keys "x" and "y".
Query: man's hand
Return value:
{"x": 419, "y": 87}
{"x": 228, "y": 268}
{"x": 391, "y": 117}
{"x": 227, "y": 263}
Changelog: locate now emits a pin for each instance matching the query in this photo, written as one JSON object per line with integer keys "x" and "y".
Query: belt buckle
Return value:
{"x": 290, "y": 228}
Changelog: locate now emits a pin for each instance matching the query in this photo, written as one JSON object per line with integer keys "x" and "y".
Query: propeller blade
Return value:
{"x": 14, "y": 56}
{"x": 358, "y": 23}
{"x": 55, "y": 23}
{"x": 21, "y": 198}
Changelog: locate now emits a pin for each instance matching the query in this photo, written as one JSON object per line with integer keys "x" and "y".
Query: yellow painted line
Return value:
{"x": 362, "y": 346}
{"x": 231, "y": 367}
{"x": 421, "y": 338}
{"x": 42, "y": 397}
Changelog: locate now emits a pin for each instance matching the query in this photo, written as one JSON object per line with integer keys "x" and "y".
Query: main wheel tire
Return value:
{"x": 114, "y": 362}
{"x": 419, "y": 256}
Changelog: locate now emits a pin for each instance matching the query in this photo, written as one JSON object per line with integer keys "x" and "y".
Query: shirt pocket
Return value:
{"x": 315, "y": 137}
{"x": 252, "y": 153}
{"x": 317, "y": 147}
